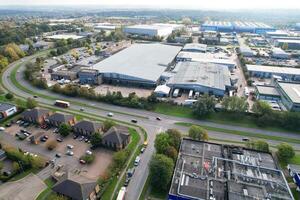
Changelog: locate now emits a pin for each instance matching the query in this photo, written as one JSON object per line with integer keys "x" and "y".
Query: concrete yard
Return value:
{"x": 140, "y": 92}
{"x": 21, "y": 190}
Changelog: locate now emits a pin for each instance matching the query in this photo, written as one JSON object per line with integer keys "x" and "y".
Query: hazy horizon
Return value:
{"x": 158, "y": 4}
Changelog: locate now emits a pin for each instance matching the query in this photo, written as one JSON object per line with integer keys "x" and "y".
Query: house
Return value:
{"x": 87, "y": 128}
{"x": 58, "y": 118}
{"x": 36, "y": 115}
{"x": 7, "y": 110}
{"x": 76, "y": 187}
{"x": 117, "y": 138}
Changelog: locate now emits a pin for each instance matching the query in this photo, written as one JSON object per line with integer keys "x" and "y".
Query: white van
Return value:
{"x": 191, "y": 94}
{"x": 137, "y": 161}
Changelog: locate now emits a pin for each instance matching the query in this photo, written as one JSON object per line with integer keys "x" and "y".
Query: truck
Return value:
{"x": 121, "y": 194}
{"x": 191, "y": 94}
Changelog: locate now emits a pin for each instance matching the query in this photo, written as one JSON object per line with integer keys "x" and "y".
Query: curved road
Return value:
{"x": 147, "y": 120}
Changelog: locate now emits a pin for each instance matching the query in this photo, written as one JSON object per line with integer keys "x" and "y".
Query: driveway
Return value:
{"x": 21, "y": 190}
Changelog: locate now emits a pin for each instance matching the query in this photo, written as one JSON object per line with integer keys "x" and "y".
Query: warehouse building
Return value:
{"x": 280, "y": 54}
{"x": 64, "y": 74}
{"x": 246, "y": 51}
{"x": 89, "y": 76}
{"x": 201, "y": 77}
{"x": 205, "y": 57}
{"x": 268, "y": 93}
{"x": 138, "y": 65}
{"x": 214, "y": 171}
{"x": 291, "y": 44}
{"x": 290, "y": 95}
{"x": 195, "y": 47}
{"x": 237, "y": 26}
{"x": 161, "y": 30}
{"x": 277, "y": 33}
{"x": 286, "y": 73}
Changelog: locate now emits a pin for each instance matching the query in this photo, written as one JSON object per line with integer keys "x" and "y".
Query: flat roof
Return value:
{"x": 207, "y": 57}
{"x": 6, "y": 106}
{"x": 292, "y": 90}
{"x": 201, "y": 172}
{"x": 289, "y": 41}
{"x": 200, "y": 73}
{"x": 237, "y": 24}
{"x": 273, "y": 69}
{"x": 194, "y": 46}
{"x": 267, "y": 90}
{"x": 144, "y": 61}
{"x": 64, "y": 36}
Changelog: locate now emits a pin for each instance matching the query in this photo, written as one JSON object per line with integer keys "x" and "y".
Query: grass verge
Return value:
{"x": 43, "y": 195}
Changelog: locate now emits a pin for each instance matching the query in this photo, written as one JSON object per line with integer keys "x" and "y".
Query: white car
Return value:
{"x": 69, "y": 146}
{"x": 70, "y": 153}
{"x": 2, "y": 129}
{"x": 110, "y": 114}
{"x": 88, "y": 152}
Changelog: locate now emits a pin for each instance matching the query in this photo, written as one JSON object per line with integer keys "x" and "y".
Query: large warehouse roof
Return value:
{"x": 200, "y": 73}
{"x": 143, "y": 61}
{"x": 271, "y": 69}
{"x": 292, "y": 90}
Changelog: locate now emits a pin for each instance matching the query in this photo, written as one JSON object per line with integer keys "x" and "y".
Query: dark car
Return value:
{"x": 134, "y": 121}
{"x": 35, "y": 96}
{"x": 158, "y": 118}
{"x": 58, "y": 155}
{"x": 8, "y": 125}
{"x": 59, "y": 139}
{"x": 75, "y": 136}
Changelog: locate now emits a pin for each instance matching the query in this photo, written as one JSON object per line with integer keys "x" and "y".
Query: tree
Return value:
{"x": 259, "y": 145}
{"x": 107, "y": 124}
{"x": 171, "y": 152}
{"x": 198, "y": 133}
{"x": 88, "y": 158}
{"x": 174, "y": 138}
{"x": 51, "y": 144}
{"x": 119, "y": 159}
{"x": 204, "y": 106}
{"x": 64, "y": 130}
{"x": 96, "y": 140}
{"x": 161, "y": 170}
{"x": 15, "y": 167}
{"x": 161, "y": 143}
{"x": 235, "y": 104}
{"x": 9, "y": 96}
{"x": 31, "y": 103}
{"x": 285, "y": 152}
{"x": 261, "y": 108}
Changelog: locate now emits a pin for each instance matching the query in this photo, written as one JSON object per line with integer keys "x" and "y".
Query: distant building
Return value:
{"x": 290, "y": 95}
{"x": 213, "y": 171}
{"x": 87, "y": 128}
{"x": 267, "y": 93}
{"x": 246, "y": 51}
{"x": 279, "y": 53}
{"x": 64, "y": 74}
{"x": 195, "y": 47}
{"x": 89, "y": 76}
{"x": 7, "y": 110}
{"x": 277, "y": 33}
{"x": 291, "y": 44}
{"x": 201, "y": 77}
{"x": 59, "y": 118}
{"x": 162, "y": 91}
{"x": 36, "y": 115}
{"x": 117, "y": 138}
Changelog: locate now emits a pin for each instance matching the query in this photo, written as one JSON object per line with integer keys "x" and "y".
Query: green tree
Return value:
{"x": 119, "y": 159}
{"x": 198, "y": 133}
{"x": 259, "y": 145}
{"x": 1, "y": 165}
{"x": 204, "y": 106}
{"x": 261, "y": 108}
{"x": 3, "y": 62}
{"x": 31, "y": 103}
{"x": 107, "y": 124}
{"x": 15, "y": 167}
{"x": 9, "y": 96}
{"x": 174, "y": 137}
{"x": 88, "y": 158}
{"x": 96, "y": 140}
{"x": 161, "y": 170}
{"x": 161, "y": 143}
{"x": 64, "y": 130}
{"x": 285, "y": 152}
{"x": 171, "y": 152}
{"x": 235, "y": 104}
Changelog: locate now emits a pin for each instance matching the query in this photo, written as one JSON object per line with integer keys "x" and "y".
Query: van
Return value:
{"x": 191, "y": 94}
{"x": 137, "y": 161}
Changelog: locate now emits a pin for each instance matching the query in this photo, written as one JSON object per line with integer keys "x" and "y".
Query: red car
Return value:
{"x": 82, "y": 161}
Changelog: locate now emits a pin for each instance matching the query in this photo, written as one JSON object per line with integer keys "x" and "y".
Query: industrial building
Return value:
{"x": 195, "y": 47}
{"x": 246, "y": 51}
{"x": 201, "y": 77}
{"x": 213, "y": 171}
{"x": 277, "y": 33}
{"x": 64, "y": 74}
{"x": 7, "y": 110}
{"x": 291, "y": 44}
{"x": 285, "y": 73}
{"x": 63, "y": 36}
{"x": 268, "y": 93}
{"x": 184, "y": 56}
{"x": 138, "y": 65}
{"x": 237, "y": 26}
{"x": 89, "y": 76}
{"x": 279, "y": 53}
{"x": 161, "y": 30}
{"x": 290, "y": 95}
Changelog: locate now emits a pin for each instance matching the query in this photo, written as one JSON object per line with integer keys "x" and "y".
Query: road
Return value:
{"x": 150, "y": 124}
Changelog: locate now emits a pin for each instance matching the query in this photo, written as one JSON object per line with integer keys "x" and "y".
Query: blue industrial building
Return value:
{"x": 237, "y": 26}
{"x": 90, "y": 76}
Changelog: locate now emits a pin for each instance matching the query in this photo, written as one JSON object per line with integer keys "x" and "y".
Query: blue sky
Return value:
{"x": 199, "y": 4}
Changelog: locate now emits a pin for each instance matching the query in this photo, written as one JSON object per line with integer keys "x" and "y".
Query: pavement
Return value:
{"x": 21, "y": 190}
{"x": 150, "y": 124}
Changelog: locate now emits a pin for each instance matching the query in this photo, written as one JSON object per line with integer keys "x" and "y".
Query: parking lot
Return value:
{"x": 140, "y": 92}
{"x": 80, "y": 145}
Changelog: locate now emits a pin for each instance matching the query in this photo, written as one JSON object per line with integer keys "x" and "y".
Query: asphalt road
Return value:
{"x": 150, "y": 124}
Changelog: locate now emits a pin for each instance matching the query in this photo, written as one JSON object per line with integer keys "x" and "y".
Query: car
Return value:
{"x": 55, "y": 130}
{"x": 59, "y": 139}
{"x": 8, "y": 125}
{"x": 145, "y": 143}
{"x": 134, "y": 121}
{"x": 143, "y": 149}
{"x": 75, "y": 136}
{"x": 110, "y": 114}
{"x": 18, "y": 122}
{"x": 82, "y": 109}
{"x": 26, "y": 124}
{"x": 137, "y": 161}
{"x": 81, "y": 138}
{"x": 2, "y": 129}
{"x": 86, "y": 140}
{"x": 88, "y": 152}
{"x": 69, "y": 146}
{"x": 42, "y": 139}
{"x": 35, "y": 96}
{"x": 46, "y": 136}
{"x": 21, "y": 123}
{"x": 245, "y": 139}
{"x": 70, "y": 153}
{"x": 158, "y": 118}
{"x": 126, "y": 183}
{"x": 82, "y": 161}
{"x": 58, "y": 155}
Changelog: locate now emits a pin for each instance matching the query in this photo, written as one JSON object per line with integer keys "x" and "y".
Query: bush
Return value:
{"x": 64, "y": 130}
{"x": 88, "y": 158}
{"x": 198, "y": 133}
{"x": 285, "y": 152}
{"x": 51, "y": 145}
{"x": 9, "y": 96}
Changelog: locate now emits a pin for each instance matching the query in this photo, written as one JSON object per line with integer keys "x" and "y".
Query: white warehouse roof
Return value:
{"x": 292, "y": 90}
{"x": 141, "y": 61}
{"x": 195, "y": 47}
{"x": 272, "y": 69}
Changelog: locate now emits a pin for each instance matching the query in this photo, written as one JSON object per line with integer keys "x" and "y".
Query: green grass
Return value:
{"x": 109, "y": 190}
{"x": 296, "y": 194}
{"x": 145, "y": 189}
{"x": 295, "y": 160}
{"x": 243, "y": 133}
{"x": 45, "y": 193}
{"x": 173, "y": 110}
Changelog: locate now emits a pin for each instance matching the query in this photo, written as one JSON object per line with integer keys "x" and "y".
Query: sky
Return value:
{"x": 189, "y": 4}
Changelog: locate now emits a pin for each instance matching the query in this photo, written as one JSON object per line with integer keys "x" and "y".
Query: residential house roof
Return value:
{"x": 88, "y": 126}
{"x": 6, "y": 106}
{"x": 35, "y": 113}
{"x": 116, "y": 134}
{"x": 59, "y": 117}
